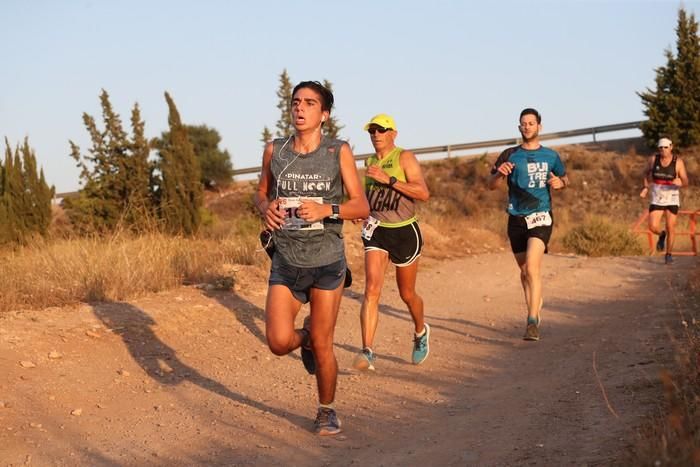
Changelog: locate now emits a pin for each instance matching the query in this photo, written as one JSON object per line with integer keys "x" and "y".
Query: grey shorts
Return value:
{"x": 300, "y": 281}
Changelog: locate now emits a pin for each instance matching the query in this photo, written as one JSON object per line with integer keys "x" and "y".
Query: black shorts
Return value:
{"x": 403, "y": 244}
{"x": 671, "y": 209}
{"x": 518, "y": 233}
{"x": 300, "y": 281}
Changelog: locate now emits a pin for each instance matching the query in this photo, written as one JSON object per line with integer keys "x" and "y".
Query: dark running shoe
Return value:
{"x": 327, "y": 423}
{"x": 532, "y": 332}
{"x": 661, "y": 243}
{"x": 307, "y": 355}
{"x": 669, "y": 258}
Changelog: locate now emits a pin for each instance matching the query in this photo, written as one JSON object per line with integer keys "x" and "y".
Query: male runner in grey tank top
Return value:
{"x": 301, "y": 197}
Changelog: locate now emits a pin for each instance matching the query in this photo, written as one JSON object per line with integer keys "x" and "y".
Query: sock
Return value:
{"x": 532, "y": 320}
{"x": 368, "y": 348}
{"x": 326, "y": 406}
{"x": 422, "y": 333}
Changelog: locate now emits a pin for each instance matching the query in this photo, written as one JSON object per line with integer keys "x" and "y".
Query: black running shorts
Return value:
{"x": 518, "y": 233}
{"x": 403, "y": 244}
{"x": 671, "y": 209}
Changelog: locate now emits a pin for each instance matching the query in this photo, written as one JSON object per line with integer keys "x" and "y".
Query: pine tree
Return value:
{"x": 284, "y": 125}
{"x": 673, "y": 109}
{"x": 331, "y": 127}
{"x": 180, "y": 190}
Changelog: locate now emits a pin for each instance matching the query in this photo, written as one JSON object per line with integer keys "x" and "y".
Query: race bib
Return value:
{"x": 368, "y": 227}
{"x": 292, "y": 220}
{"x": 665, "y": 195}
{"x": 538, "y": 219}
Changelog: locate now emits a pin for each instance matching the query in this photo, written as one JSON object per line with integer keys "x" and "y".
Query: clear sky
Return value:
{"x": 449, "y": 71}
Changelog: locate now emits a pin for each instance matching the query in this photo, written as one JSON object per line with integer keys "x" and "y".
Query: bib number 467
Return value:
{"x": 538, "y": 219}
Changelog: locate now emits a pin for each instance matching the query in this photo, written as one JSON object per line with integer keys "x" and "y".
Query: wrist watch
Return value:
{"x": 335, "y": 211}
{"x": 392, "y": 180}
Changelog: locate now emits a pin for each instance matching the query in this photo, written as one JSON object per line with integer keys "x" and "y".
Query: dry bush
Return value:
{"x": 597, "y": 236}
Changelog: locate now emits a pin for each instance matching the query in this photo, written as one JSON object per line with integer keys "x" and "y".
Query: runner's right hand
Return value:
{"x": 275, "y": 216}
{"x": 506, "y": 168}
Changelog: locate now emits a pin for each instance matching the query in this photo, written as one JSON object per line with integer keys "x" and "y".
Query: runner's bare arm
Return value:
{"x": 356, "y": 206}
{"x": 414, "y": 186}
{"x": 682, "y": 175}
{"x": 647, "y": 177}
{"x": 268, "y": 209}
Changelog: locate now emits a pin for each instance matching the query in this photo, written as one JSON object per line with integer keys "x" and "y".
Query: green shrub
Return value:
{"x": 597, "y": 236}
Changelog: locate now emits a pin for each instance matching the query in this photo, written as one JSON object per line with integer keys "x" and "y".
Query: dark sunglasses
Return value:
{"x": 381, "y": 130}
{"x": 664, "y": 147}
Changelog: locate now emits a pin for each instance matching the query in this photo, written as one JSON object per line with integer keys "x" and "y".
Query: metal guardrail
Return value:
{"x": 494, "y": 143}
{"x": 595, "y": 130}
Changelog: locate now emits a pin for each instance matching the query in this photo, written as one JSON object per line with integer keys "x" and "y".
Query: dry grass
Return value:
{"x": 672, "y": 435}
{"x": 68, "y": 271}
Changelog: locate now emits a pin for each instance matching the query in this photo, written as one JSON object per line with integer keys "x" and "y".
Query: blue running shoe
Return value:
{"x": 364, "y": 360}
{"x": 421, "y": 346}
{"x": 327, "y": 422}
{"x": 307, "y": 355}
{"x": 661, "y": 243}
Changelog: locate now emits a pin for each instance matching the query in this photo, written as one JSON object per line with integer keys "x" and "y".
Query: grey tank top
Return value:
{"x": 316, "y": 174}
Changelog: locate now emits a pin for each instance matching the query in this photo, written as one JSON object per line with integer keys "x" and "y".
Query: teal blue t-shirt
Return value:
{"x": 528, "y": 190}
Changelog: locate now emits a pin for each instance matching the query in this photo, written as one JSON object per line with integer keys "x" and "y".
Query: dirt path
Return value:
{"x": 185, "y": 378}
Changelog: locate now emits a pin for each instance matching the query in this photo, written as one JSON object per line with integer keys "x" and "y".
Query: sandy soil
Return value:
{"x": 185, "y": 378}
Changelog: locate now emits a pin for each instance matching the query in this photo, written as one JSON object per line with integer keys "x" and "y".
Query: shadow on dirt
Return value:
{"x": 160, "y": 361}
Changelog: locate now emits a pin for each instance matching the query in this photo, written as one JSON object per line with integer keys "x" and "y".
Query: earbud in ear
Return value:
{"x": 323, "y": 119}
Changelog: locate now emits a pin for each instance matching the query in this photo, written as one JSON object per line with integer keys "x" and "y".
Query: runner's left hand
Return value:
{"x": 311, "y": 211}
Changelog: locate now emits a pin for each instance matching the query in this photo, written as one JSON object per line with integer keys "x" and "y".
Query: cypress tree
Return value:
{"x": 36, "y": 195}
{"x": 265, "y": 136}
{"x": 140, "y": 206}
{"x": 8, "y": 228}
{"x": 673, "y": 108}
{"x": 284, "y": 125}
{"x": 25, "y": 197}
{"x": 180, "y": 190}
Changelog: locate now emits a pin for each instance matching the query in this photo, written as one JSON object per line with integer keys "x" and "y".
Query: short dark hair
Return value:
{"x": 321, "y": 90}
{"x": 531, "y": 111}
